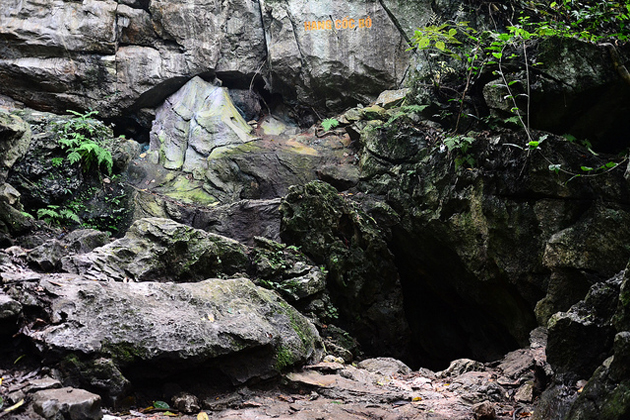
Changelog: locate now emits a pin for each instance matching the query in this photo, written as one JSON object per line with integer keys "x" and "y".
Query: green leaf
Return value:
{"x": 570, "y": 138}
{"x": 440, "y": 45}
{"x": 586, "y": 168}
{"x": 497, "y": 55}
{"x": 452, "y": 32}
{"x": 423, "y": 43}
{"x": 161, "y": 405}
{"x": 533, "y": 144}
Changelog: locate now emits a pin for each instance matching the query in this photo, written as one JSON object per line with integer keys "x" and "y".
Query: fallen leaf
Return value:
{"x": 161, "y": 405}
{"x": 14, "y": 406}
{"x": 203, "y": 416}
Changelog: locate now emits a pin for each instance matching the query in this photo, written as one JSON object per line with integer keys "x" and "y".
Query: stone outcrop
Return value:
{"x": 362, "y": 277}
{"x": 334, "y": 52}
{"x": 15, "y": 138}
{"x": 192, "y": 123}
{"x": 202, "y": 152}
{"x": 109, "y": 56}
{"x": 588, "y": 351}
{"x": 241, "y": 330}
{"x": 161, "y": 250}
{"x": 118, "y": 57}
{"x": 509, "y": 257}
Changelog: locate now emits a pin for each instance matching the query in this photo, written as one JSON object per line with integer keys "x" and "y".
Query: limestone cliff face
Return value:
{"x": 116, "y": 56}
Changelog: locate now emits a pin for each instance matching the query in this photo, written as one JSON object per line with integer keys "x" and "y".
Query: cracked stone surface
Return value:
{"x": 117, "y": 57}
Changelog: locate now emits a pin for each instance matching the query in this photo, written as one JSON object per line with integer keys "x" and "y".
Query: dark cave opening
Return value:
{"x": 450, "y": 313}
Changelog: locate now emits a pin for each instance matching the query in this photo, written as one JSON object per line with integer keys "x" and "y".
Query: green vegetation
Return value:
{"x": 81, "y": 138}
{"x": 329, "y": 123}
{"x": 284, "y": 358}
{"x": 456, "y": 48}
{"x": 459, "y": 146}
{"x": 405, "y": 110}
{"x": 480, "y": 52}
{"x": 56, "y": 215}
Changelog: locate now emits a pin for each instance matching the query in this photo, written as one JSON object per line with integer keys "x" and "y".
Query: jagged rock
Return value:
{"x": 192, "y": 123}
{"x": 590, "y": 342}
{"x": 160, "y": 329}
{"x": 67, "y": 404}
{"x": 464, "y": 216}
{"x": 484, "y": 411}
{"x": 162, "y": 250}
{"x": 203, "y": 153}
{"x": 186, "y": 403}
{"x": 525, "y": 393}
{"x": 581, "y": 79}
{"x": 10, "y": 195}
{"x": 391, "y": 98}
{"x": 385, "y": 366}
{"x": 362, "y": 277}
{"x": 459, "y": 367}
{"x": 15, "y": 137}
{"x": 242, "y": 220}
{"x": 287, "y": 269}
{"x": 580, "y": 339}
{"x": 47, "y": 256}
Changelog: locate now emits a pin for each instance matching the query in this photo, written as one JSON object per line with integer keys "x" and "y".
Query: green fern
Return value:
{"x": 57, "y": 215}
{"x": 70, "y": 215}
{"x": 77, "y": 140}
{"x": 329, "y": 123}
{"x": 104, "y": 158}
{"x": 74, "y": 157}
{"x": 48, "y": 213}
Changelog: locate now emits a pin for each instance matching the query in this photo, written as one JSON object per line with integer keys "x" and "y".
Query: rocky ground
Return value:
{"x": 380, "y": 388}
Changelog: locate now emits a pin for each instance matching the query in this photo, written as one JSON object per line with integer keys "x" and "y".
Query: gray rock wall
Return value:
{"x": 115, "y": 56}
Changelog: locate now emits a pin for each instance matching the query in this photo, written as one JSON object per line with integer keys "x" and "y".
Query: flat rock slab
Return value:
{"x": 67, "y": 403}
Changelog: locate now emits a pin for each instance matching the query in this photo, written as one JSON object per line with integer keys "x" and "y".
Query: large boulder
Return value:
{"x": 161, "y": 250}
{"x": 230, "y": 328}
{"x": 193, "y": 122}
{"x": 203, "y": 152}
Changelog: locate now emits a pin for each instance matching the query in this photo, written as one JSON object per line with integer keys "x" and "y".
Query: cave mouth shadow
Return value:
{"x": 450, "y": 313}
